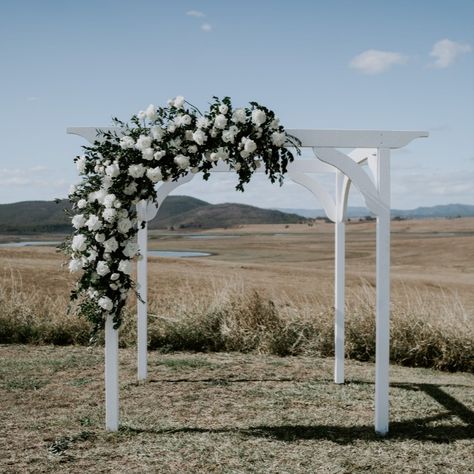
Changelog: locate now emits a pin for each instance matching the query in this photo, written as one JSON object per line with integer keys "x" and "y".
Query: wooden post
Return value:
{"x": 339, "y": 280}
{"x": 142, "y": 306}
{"x": 382, "y": 349}
{"x": 111, "y": 376}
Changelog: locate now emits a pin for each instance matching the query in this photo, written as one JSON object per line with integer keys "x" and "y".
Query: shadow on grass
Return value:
{"x": 419, "y": 429}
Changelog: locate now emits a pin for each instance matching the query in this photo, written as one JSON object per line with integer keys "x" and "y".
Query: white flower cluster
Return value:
{"x": 122, "y": 169}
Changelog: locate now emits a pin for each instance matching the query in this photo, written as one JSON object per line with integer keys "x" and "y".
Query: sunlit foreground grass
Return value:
{"x": 429, "y": 329}
{"x": 226, "y": 412}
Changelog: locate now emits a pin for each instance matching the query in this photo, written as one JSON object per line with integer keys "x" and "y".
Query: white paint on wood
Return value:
{"x": 382, "y": 342}
{"x": 142, "y": 301}
{"x": 314, "y": 138}
{"x": 339, "y": 283}
{"x": 356, "y": 174}
{"x": 111, "y": 376}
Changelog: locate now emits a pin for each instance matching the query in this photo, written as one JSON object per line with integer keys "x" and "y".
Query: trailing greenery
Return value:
{"x": 122, "y": 168}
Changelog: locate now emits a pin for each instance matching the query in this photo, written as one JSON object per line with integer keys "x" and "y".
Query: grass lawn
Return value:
{"x": 227, "y": 412}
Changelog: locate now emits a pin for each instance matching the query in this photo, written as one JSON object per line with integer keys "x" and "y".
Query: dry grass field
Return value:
{"x": 269, "y": 288}
{"x": 296, "y": 260}
{"x": 266, "y": 290}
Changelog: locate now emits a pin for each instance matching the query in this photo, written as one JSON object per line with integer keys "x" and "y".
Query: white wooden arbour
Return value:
{"x": 370, "y": 147}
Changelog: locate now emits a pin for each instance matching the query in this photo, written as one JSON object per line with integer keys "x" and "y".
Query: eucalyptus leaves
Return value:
{"x": 123, "y": 168}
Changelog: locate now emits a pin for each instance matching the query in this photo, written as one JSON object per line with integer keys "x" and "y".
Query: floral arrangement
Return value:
{"x": 122, "y": 168}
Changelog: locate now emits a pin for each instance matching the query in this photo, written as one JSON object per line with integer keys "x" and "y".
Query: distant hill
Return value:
{"x": 34, "y": 217}
{"x": 445, "y": 210}
{"x": 177, "y": 211}
{"x": 222, "y": 215}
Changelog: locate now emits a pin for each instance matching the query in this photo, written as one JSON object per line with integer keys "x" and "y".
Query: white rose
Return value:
{"x": 102, "y": 268}
{"x": 82, "y": 203}
{"x": 114, "y": 276}
{"x": 250, "y": 146}
{"x": 125, "y": 266}
{"x": 237, "y": 166}
{"x": 106, "y": 303}
{"x": 141, "y": 115}
{"x": 97, "y": 196}
{"x": 79, "y": 243}
{"x": 93, "y": 223}
{"x": 110, "y": 245}
{"x": 78, "y": 221}
{"x": 275, "y": 123}
{"x": 220, "y": 121}
{"x": 203, "y": 122}
{"x": 136, "y": 171}
{"x": 244, "y": 154}
{"x": 192, "y": 149}
{"x": 228, "y": 136}
{"x": 239, "y": 116}
{"x": 159, "y": 154}
{"x": 220, "y": 154}
{"x": 81, "y": 164}
{"x": 92, "y": 255}
{"x": 109, "y": 200}
{"x": 109, "y": 215}
{"x": 223, "y": 109}
{"x": 154, "y": 175}
{"x": 258, "y": 117}
{"x": 75, "y": 265}
{"x": 157, "y": 133}
{"x": 99, "y": 238}
{"x": 171, "y": 128}
{"x": 150, "y": 112}
{"x": 179, "y": 101}
{"x": 278, "y": 139}
{"x": 143, "y": 142}
{"x": 188, "y": 135}
{"x": 182, "y": 161}
{"x": 130, "y": 189}
{"x": 107, "y": 182}
{"x": 72, "y": 189}
{"x": 199, "y": 137}
{"x": 130, "y": 249}
{"x": 124, "y": 225}
{"x": 147, "y": 154}
{"x": 175, "y": 143}
{"x": 127, "y": 142}
{"x": 183, "y": 120}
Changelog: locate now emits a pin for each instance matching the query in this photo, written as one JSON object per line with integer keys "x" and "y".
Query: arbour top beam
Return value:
{"x": 313, "y": 138}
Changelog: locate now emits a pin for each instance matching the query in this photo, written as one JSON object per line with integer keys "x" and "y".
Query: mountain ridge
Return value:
{"x": 30, "y": 217}
{"x": 186, "y": 212}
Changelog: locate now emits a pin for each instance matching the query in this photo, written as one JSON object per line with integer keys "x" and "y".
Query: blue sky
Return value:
{"x": 360, "y": 64}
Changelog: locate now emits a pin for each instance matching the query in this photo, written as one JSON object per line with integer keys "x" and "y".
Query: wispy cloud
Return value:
{"x": 206, "y": 27}
{"x": 451, "y": 186}
{"x": 37, "y": 176}
{"x": 195, "y": 13}
{"x": 374, "y": 61}
{"x": 446, "y": 52}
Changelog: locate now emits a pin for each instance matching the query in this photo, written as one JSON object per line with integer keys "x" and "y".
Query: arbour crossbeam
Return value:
{"x": 370, "y": 147}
